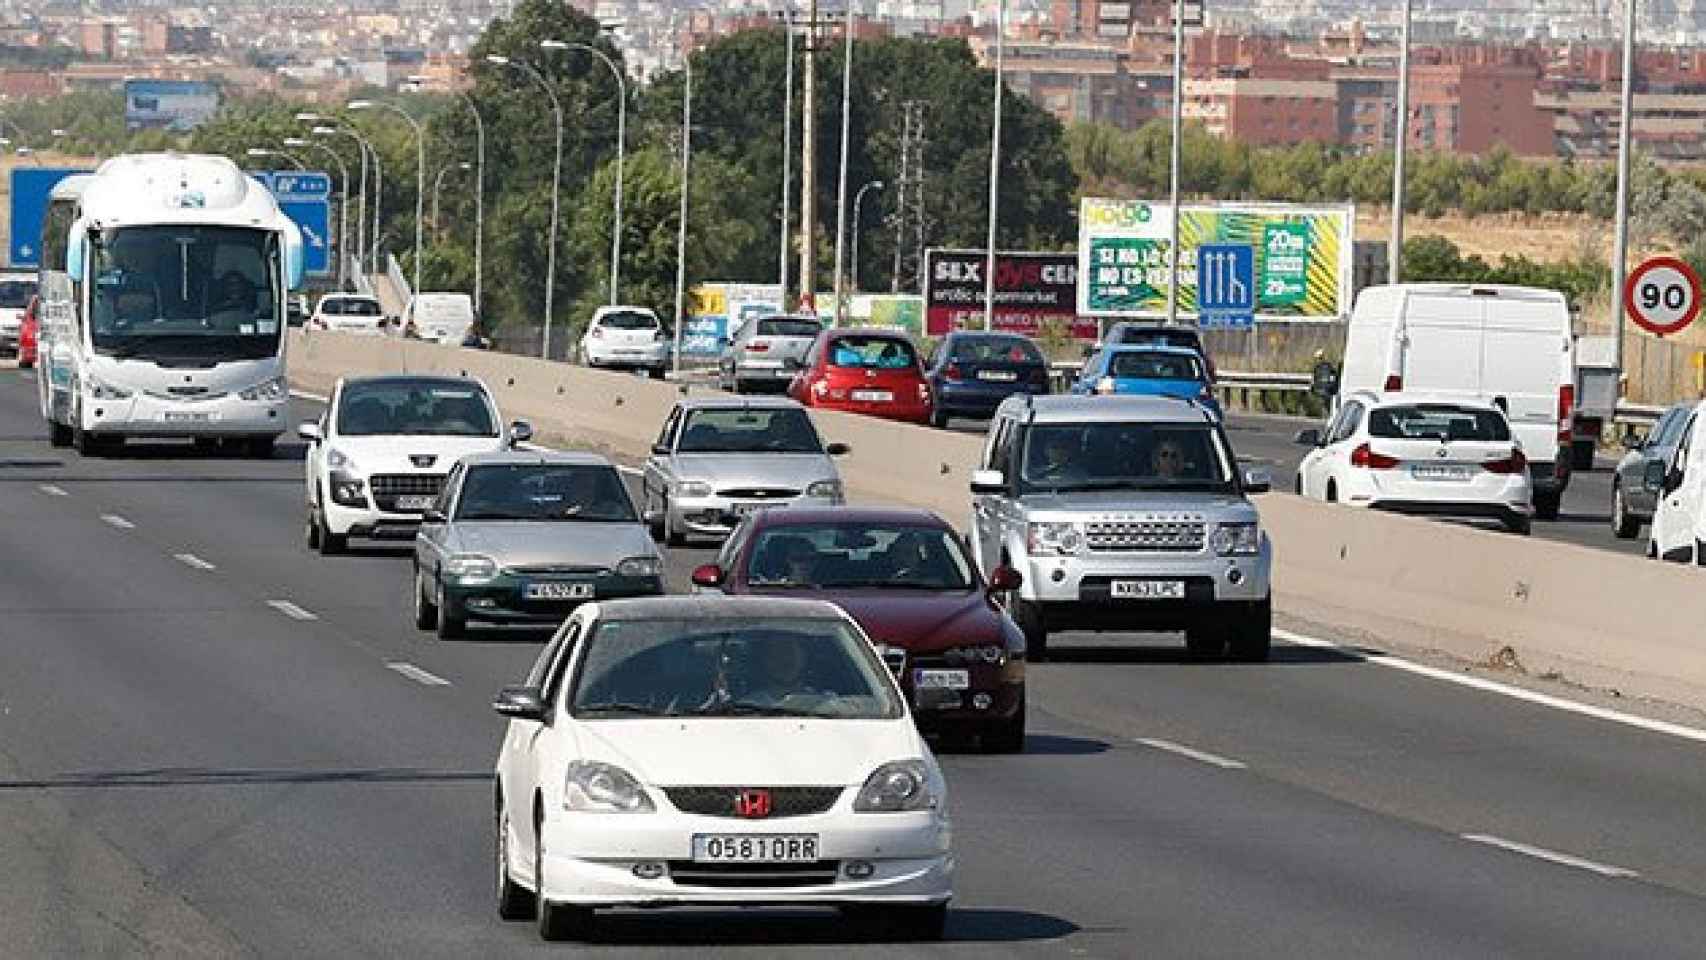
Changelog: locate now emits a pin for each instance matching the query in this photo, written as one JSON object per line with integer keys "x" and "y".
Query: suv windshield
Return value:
{"x": 449, "y": 408}
{"x": 1123, "y": 456}
{"x": 544, "y": 491}
{"x": 769, "y": 667}
{"x": 863, "y": 555}
{"x": 783, "y": 430}
{"x": 788, "y": 327}
{"x": 16, "y": 294}
{"x": 872, "y": 352}
{"x": 1153, "y": 365}
{"x": 1438, "y": 422}
{"x": 628, "y": 320}
{"x": 194, "y": 292}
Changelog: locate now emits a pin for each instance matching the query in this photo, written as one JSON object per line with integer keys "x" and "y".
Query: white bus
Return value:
{"x": 164, "y": 285}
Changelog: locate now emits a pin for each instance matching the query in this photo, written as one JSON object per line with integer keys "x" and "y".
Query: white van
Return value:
{"x": 1504, "y": 345}
{"x": 441, "y": 317}
{"x": 1679, "y": 483}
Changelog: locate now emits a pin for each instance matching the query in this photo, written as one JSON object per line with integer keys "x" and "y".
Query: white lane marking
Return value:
{"x": 53, "y": 490}
{"x": 1502, "y": 689}
{"x": 114, "y": 520}
{"x": 291, "y": 610}
{"x": 1194, "y": 754}
{"x": 417, "y": 674}
{"x": 191, "y": 560}
{"x": 630, "y": 471}
{"x": 305, "y": 395}
{"x": 1551, "y": 856}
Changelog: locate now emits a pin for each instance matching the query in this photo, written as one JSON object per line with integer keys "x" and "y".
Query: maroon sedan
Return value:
{"x": 906, "y": 578}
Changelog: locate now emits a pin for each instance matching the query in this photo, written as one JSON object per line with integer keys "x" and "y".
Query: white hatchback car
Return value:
{"x": 727, "y": 751}
{"x": 628, "y": 338}
{"x": 350, "y": 313}
{"x": 1679, "y": 484}
{"x": 1416, "y": 454}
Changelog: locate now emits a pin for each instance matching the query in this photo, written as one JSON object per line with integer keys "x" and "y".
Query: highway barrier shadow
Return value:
{"x": 1283, "y": 655}
{"x": 240, "y": 776}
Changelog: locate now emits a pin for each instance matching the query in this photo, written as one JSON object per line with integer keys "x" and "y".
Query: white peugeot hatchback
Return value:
{"x": 724, "y": 751}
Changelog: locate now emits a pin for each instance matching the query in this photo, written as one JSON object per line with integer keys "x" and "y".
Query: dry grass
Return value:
{"x": 1542, "y": 237}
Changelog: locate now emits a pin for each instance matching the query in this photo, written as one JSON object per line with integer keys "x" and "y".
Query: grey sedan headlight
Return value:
{"x": 693, "y": 488}
{"x": 827, "y": 489}
{"x": 896, "y": 787}
{"x": 1236, "y": 539}
{"x": 471, "y": 567}
{"x": 639, "y": 567}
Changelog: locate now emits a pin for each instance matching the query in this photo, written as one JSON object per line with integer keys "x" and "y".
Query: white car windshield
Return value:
{"x": 1438, "y": 422}
{"x": 349, "y": 307}
{"x": 749, "y": 431}
{"x": 415, "y": 407}
{"x": 763, "y": 667}
{"x": 845, "y": 556}
{"x": 628, "y": 320}
{"x": 557, "y": 492}
{"x": 1125, "y": 456}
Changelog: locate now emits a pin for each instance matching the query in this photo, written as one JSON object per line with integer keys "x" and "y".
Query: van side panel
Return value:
{"x": 1370, "y": 341}
{"x": 1441, "y": 351}
{"x": 1526, "y": 358}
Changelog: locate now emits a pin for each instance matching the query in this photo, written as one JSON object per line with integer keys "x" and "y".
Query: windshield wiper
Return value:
{"x": 631, "y": 709}
{"x": 742, "y": 708}
{"x": 885, "y": 585}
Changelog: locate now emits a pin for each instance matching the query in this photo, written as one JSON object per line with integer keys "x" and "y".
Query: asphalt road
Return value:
{"x": 207, "y": 748}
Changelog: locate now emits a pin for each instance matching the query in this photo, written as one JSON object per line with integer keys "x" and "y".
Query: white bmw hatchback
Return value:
{"x": 717, "y": 751}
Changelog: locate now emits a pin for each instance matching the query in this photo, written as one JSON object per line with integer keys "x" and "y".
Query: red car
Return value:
{"x": 870, "y": 371}
{"x": 907, "y": 579}
{"x": 28, "y": 335}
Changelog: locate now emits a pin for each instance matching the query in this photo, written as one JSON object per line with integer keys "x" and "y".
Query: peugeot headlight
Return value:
{"x": 991, "y": 653}
{"x": 692, "y": 488}
{"x": 592, "y": 787}
{"x": 896, "y": 787}
{"x": 101, "y": 390}
{"x": 1236, "y": 539}
{"x": 639, "y": 567}
{"x": 1046, "y": 538}
{"x": 826, "y": 489}
{"x": 271, "y": 390}
{"x": 338, "y": 460}
{"x": 471, "y": 567}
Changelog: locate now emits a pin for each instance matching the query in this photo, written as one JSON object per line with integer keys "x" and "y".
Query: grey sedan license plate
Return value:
{"x": 743, "y": 848}
{"x": 1148, "y": 589}
{"x": 559, "y": 591}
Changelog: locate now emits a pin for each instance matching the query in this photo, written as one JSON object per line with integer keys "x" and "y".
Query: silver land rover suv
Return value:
{"x": 1124, "y": 513}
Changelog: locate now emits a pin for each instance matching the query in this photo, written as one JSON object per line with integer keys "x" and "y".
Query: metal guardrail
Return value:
{"x": 399, "y": 282}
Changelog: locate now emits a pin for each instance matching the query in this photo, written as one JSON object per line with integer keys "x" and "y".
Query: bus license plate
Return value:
{"x": 186, "y": 416}
{"x": 1149, "y": 589}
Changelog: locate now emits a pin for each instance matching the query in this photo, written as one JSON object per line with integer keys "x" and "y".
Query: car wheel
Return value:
{"x": 331, "y": 544}
{"x": 1008, "y": 736}
{"x": 1521, "y": 526}
{"x": 450, "y": 626}
{"x": 259, "y": 448}
{"x": 1652, "y": 549}
{"x": 557, "y": 921}
{"x": 58, "y": 434}
{"x": 938, "y": 418}
{"x": 1332, "y": 492}
{"x": 1205, "y": 643}
{"x": 515, "y": 902}
{"x": 657, "y": 373}
{"x": 671, "y": 536}
{"x": 1623, "y": 526}
{"x": 1297, "y": 483}
{"x": 656, "y": 524}
{"x": 1546, "y": 504}
{"x": 1028, "y": 617}
{"x": 1252, "y": 636}
{"x": 311, "y": 531}
{"x": 426, "y": 613}
{"x": 87, "y": 442}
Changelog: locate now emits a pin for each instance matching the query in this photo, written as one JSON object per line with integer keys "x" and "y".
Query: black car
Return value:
{"x": 970, "y": 373}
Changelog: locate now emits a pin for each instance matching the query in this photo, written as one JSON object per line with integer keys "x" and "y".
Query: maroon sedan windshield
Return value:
{"x": 853, "y": 556}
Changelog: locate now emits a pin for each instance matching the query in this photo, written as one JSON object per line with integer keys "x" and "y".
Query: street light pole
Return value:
{"x": 438, "y": 189}
{"x": 1620, "y": 251}
{"x": 343, "y": 202}
{"x": 621, "y": 142}
{"x": 479, "y": 202}
{"x": 420, "y": 171}
{"x": 556, "y": 179}
{"x": 841, "y": 186}
{"x": 323, "y": 128}
{"x": 1400, "y": 140}
{"x": 994, "y": 170}
{"x": 858, "y": 199}
{"x": 681, "y": 227}
{"x": 787, "y": 149}
{"x": 1173, "y": 185}
{"x": 808, "y": 164}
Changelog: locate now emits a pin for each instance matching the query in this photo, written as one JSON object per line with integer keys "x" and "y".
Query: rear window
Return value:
{"x": 1156, "y": 336}
{"x": 873, "y": 352}
{"x": 1143, "y": 365}
{"x": 1438, "y": 422}
{"x": 996, "y": 350}
{"x": 628, "y": 320}
{"x": 16, "y": 293}
{"x": 344, "y": 307}
{"x": 788, "y": 328}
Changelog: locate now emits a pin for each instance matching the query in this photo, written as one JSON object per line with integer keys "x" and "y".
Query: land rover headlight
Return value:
{"x": 1236, "y": 539}
{"x": 1053, "y": 538}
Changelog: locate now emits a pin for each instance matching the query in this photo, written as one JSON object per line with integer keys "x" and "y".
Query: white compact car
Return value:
{"x": 378, "y": 457}
{"x": 1418, "y": 454}
{"x": 717, "y": 751}
{"x": 16, "y": 289}
{"x": 628, "y": 338}
{"x": 1679, "y": 484}
{"x": 350, "y": 313}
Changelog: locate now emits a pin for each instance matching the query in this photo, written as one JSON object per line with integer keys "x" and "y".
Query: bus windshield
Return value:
{"x": 186, "y": 292}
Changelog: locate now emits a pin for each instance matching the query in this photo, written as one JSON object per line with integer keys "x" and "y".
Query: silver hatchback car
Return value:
{"x": 719, "y": 458}
{"x": 766, "y": 352}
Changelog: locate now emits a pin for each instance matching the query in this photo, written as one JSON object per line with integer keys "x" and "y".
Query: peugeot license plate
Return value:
{"x": 414, "y": 502}
{"x": 1148, "y": 589}
{"x": 941, "y": 679}
{"x": 873, "y": 396}
{"x": 740, "y": 848}
{"x": 1450, "y": 472}
{"x": 559, "y": 591}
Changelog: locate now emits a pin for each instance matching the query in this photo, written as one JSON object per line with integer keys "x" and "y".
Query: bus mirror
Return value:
{"x": 74, "y": 253}
{"x": 293, "y": 260}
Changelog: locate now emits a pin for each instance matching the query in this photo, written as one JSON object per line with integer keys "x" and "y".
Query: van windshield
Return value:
{"x": 186, "y": 292}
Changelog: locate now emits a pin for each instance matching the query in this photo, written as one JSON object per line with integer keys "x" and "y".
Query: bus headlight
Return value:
{"x": 271, "y": 391}
{"x": 101, "y": 390}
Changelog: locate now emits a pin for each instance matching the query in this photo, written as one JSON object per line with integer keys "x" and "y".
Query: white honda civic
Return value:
{"x": 722, "y": 751}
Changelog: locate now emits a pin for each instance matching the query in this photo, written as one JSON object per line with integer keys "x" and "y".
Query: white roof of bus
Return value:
{"x": 71, "y": 186}
{"x": 149, "y": 188}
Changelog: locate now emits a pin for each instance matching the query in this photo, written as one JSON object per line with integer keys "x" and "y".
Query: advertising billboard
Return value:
{"x": 1031, "y": 290}
{"x": 716, "y": 310}
{"x": 903, "y": 311}
{"x": 169, "y": 104}
{"x": 1302, "y": 257}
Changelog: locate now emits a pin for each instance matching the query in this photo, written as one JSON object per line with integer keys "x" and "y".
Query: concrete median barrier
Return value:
{"x": 1589, "y": 616}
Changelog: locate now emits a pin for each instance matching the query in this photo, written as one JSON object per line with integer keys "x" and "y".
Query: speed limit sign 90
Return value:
{"x": 1662, "y": 295}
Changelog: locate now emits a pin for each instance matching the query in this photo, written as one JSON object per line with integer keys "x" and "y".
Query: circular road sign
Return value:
{"x": 1662, "y": 295}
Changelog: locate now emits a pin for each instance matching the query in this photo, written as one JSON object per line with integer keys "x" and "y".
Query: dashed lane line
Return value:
{"x": 191, "y": 560}
{"x": 417, "y": 674}
{"x": 1551, "y": 856}
{"x": 114, "y": 520}
{"x": 53, "y": 490}
{"x": 1201, "y": 756}
{"x": 291, "y": 610}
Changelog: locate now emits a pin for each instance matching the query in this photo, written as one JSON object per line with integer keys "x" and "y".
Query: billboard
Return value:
{"x": 31, "y": 187}
{"x": 716, "y": 310}
{"x": 1031, "y": 289}
{"x": 904, "y": 311}
{"x": 1303, "y": 257}
{"x": 169, "y": 104}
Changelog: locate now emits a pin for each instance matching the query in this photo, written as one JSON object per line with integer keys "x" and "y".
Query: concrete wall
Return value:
{"x": 1592, "y": 616}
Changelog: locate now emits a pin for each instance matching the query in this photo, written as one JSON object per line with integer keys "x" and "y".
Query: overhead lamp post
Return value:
{"x": 621, "y": 140}
{"x": 420, "y": 170}
{"x": 1173, "y": 165}
{"x": 479, "y": 196}
{"x": 858, "y": 199}
{"x": 841, "y": 187}
{"x": 323, "y": 128}
{"x": 1625, "y": 150}
{"x": 995, "y": 170}
{"x": 681, "y": 227}
{"x": 787, "y": 150}
{"x": 556, "y": 180}
{"x": 263, "y": 152}
{"x": 1400, "y": 137}
{"x": 438, "y": 188}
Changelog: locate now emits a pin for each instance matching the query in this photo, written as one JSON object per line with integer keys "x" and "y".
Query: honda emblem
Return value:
{"x": 752, "y": 804}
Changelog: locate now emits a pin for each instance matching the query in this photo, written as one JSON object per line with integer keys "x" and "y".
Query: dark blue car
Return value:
{"x": 971, "y": 373}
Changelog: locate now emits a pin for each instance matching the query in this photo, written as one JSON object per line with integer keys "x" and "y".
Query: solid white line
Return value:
{"x": 114, "y": 520}
{"x": 1551, "y": 856}
{"x": 53, "y": 490}
{"x": 305, "y": 395}
{"x": 417, "y": 674}
{"x": 191, "y": 560}
{"x": 1197, "y": 755}
{"x": 291, "y": 610}
{"x": 1503, "y": 689}
{"x": 630, "y": 471}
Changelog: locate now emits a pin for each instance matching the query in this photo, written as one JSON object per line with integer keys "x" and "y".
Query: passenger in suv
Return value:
{"x": 1123, "y": 513}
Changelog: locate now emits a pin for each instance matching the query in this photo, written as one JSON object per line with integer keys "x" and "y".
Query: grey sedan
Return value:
{"x": 720, "y": 458}
{"x": 1632, "y": 504}
{"x": 525, "y": 538}
{"x": 766, "y": 352}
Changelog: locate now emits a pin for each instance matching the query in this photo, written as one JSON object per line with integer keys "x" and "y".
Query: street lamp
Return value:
{"x": 859, "y": 198}
{"x": 787, "y": 148}
{"x": 364, "y": 148}
{"x": 681, "y": 228}
{"x": 621, "y": 139}
{"x": 343, "y": 202}
{"x": 263, "y": 152}
{"x": 438, "y": 187}
{"x": 995, "y": 170}
{"x": 479, "y": 194}
{"x": 841, "y": 189}
{"x": 420, "y": 169}
{"x": 556, "y": 179}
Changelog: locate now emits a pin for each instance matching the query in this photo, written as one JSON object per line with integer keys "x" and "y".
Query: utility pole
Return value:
{"x": 787, "y": 151}
{"x": 900, "y": 192}
{"x": 918, "y": 143}
{"x": 1620, "y": 253}
{"x": 841, "y": 185}
{"x": 808, "y": 166}
{"x": 1173, "y": 183}
{"x": 1400, "y": 138}
{"x": 995, "y": 171}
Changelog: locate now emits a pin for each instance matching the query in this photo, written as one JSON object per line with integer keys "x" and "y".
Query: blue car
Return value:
{"x": 971, "y": 373}
{"x": 1149, "y": 370}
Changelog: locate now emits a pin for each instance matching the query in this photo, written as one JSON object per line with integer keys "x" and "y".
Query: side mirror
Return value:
{"x": 708, "y": 575}
{"x": 309, "y": 432}
{"x": 520, "y": 432}
{"x": 1258, "y": 480}
{"x": 432, "y": 515}
{"x": 1308, "y": 438}
{"x": 988, "y": 482}
{"x": 837, "y": 449}
{"x": 1004, "y": 578}
{"x": 1654, "y": 476}
{"x": 1673, "y": 479}
{"x": 520, "y": 703}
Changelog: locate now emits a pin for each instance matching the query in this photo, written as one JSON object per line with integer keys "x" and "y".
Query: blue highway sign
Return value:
{"x": 1226, "y": 285}
{"x": 30, "y": 189}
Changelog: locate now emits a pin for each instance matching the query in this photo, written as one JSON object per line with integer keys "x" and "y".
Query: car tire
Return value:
{"x": 1008, "y": 736}
{"x": 1546, "y": 504}
{"x": 1623, "y": 526}
{"x": 1028, "y": 617}
{"x": 939, "y": 418}
{"x": 914, "y": 923}
{"x": 449, "y": 626}
{"x": 1652, "y": 549}
{"x": 311, "y": 531}
{"x": 330, "y": 544}
{"x": 1297, "y": 483}
{"x": 259, "y": 448}
{"x": 1519, "y": 525}
{"x": 426, "y": 612}
{"x": 671, "y": 536}
{"x": 657, "y": 373}
{"x": 1332, "y": 492}
{"x": 1581, "y": 455}
{"x": 58, "y": 434}
{"x": 1252, "y": 638}
{"x": 1205, "y": 643}
{"x": 557, "y": 921}
{"x": 87, "y": 442}
{"x": 515, "y": 902}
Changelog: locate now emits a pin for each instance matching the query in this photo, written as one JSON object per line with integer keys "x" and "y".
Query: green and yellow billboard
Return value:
{"x": 1302, "y": 257}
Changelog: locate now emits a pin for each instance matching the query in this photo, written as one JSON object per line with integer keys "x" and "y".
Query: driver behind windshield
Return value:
{"x": 1056, "y": 459}
{"x": 232, "y": 304}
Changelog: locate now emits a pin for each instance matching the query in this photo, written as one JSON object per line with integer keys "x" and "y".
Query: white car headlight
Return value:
{"x": 826, "y": 489}
{"x": 639, "y": 567}
{"x": 101, "y": 390}
{"x": 1050, "y": 538}
{"x": 471, "y": 567}
{"x": 896, "y": 787}
{"x": 1236, "y": 539}
{"x": 591, "y": 787}
{"x": 692, "y": 488}
{"x": 338, "y": 460}
{"x": 272, "y": 390}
